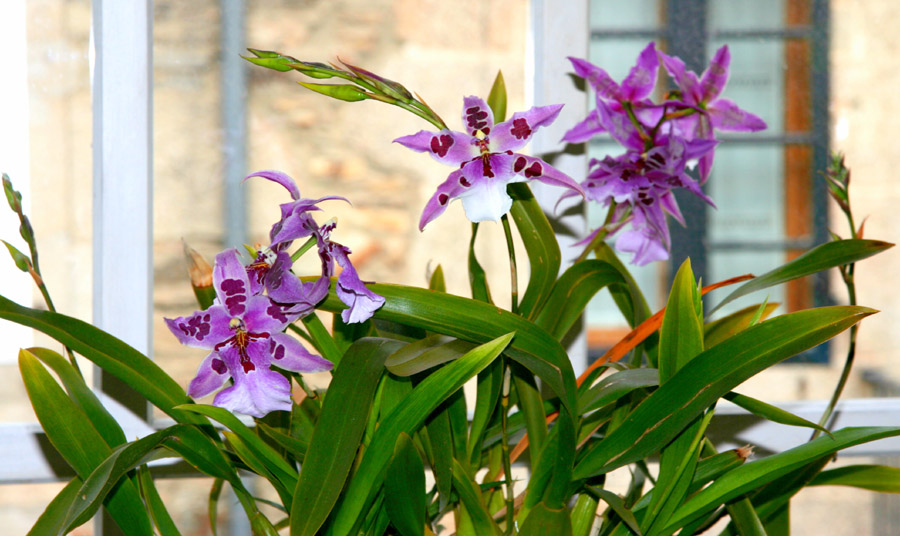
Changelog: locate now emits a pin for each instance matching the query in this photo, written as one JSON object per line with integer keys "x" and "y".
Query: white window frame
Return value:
{"x": 123, "y": 230}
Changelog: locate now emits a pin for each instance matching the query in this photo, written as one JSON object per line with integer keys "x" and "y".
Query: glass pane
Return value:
{"x": 45, "y": 147}
{"x": 741, "y": 15}
{"x": 756, "y": 80}
{"x": 625, "y": 14}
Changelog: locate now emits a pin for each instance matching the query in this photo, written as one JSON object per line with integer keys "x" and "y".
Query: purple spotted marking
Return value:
{"x": 196, "y": 327}
{"x": 235, "y": 290}
{"x": 276, "y": 312}
{"x": 536, "y": 170}
{"x": 442, "y": 145}
{"x": 442, "y": 199}
{"x": 219, "y": 366}
{"x": 276, "y": 349}
{"x": 520, "y": 128}
{"x": 464, "y": 182}
{"x": 247, "y": 365}
{"x": 486, "y": 167}
{"x": 520, "y": 164}
{"x": 475, "y": 118}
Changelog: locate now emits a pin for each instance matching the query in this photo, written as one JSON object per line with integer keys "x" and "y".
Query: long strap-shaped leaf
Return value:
{"x": 478, "y": 322}
{"x": 407, "y": 417}
{"x": 709, "y": 376}
{"x": 828, "y": 255}
{"x": 540, "y": 244}
{"x": 110, "y": 354}
{"x": 753, "y": 475}
{"x": 572, "y": 292}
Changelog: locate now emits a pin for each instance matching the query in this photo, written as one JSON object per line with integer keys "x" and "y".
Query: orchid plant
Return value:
{"x": 352, "y": 458}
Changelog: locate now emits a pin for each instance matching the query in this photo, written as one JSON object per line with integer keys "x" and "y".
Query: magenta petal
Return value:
{"x": 279, "y": 177}
{"x": 203, "y": 329}
{"x": 714, "y": 78}
{"x": 477, "y": 116}
{"x": 513, "y": 134}
{"x": 256, "y": 393}
{"x": 642, "y": 78}
{"x": 231, "y": 282}
{"x": 265, "y": 316}
{"x": 645, "y": 247}
{"x": 456, "y": 183}
{"x": 289, "y": 354}
{"x": 211, "y": 374}
{"x": 535, "y": 168}
{"x": 584, "y": 130}
{"x": 724, "y": 114}
{"x": 685, "y": 80}
{"x": 361, "y": 302}
{"x": 599, "y": 79}
{"x": 447, "y": 146}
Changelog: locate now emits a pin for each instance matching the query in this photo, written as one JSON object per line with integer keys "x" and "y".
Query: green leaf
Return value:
{"x": 881, "y": 478}
{"x": 497, "y": 98}
{"x": 681, "y": 333}
{"x": 321, "y": 339}
{"x": 407, "y": 417}
{"x": 215, "y": 491}
{"x": 256, "y": 465}
{"x": 752, "y": 475}
{"x": 158, "y": 513}
{"x": 615, "y": 386}
{"x": 437, "y": 281}
{"x": 464, "y": 318}
{"x": 110, "y": 354}
{"x": 550, "y": 480}
{"x": 770, "y": 412}
{"x": 584, "y": 514}
{"x": 719, "y": 330}
{"x": 486, "y": 399}
{"x": 82, "y": 395}
{"x": 404, "y": 489}
{"x": 338, "y": 432}
{"x": 23, "y": 262}
{"x": 540, "y": 244}
{"x": 629, "y": 299}
{"x": 618, "y": 505}
{"x": 79, "y": 443}
{"x": 54, "y": 515}
{"x": 571, "y": 294}
{"x": 707, "y": 377}
{"x": 544, "y": 520}
{"x": 272, "y": 461}
{"x": 427, "y": 353}
{"x": 295, "y": 447}
{"x": 828, "y": 255}
{"x": 472, "y": 500}
{"x": 344, "y": 92}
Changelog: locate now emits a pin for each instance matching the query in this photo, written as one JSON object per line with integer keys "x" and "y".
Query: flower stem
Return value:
{"x": 504, "y": 442}
{"x": 304, "y": 248}
{"x": 513, "y": 273}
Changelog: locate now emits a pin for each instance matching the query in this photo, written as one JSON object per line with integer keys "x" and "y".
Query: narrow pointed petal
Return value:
{"x": 289, "y": 354}
{"x": 619, "y": 126}
{"x": 458, "y": 182}
{"x": 231, "y": 282}
{"x": 279, "y": 177}
{"x": 670, "y": 205}
{"x": 361, "y": 302}
{"x": 513, "y": 134}
{"x": 599, "y": 79}
{"x": 685, "y": 80}
{"x": 293, "y": 227}
{"x": 714, "y": 78}
{"x": 211, "y": 375}
{"x": 477, "y": 116}
{"x": 203, "y": 329}
{"x": 641, "y": 79}
{"x": 645, "y": 247}
{"x": 447, "y": 146}
{"x": 584, "y": 130}
{"x": 724, "y": 114}
{"x": 530, "y": 167}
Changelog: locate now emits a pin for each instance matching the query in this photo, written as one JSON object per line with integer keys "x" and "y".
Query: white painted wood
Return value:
{"x": 123, "y": 189}
{"x": 14, "y": 153}
{"x": 559, "y": 28}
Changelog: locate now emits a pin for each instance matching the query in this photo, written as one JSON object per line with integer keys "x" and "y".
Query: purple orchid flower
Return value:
{"x": 243, "y": 332}
{"x": 487, "y": 161}
{"x": 634, "y": 89}
{"x": 273, "y": 264}
{"x": 702, "y": 94}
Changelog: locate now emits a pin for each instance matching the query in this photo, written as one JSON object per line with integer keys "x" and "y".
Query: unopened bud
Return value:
{"x": 201, "y": 274}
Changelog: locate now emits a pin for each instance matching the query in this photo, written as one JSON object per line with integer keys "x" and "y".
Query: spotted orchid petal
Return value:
{"x": 477, "y": 116}
{"x": 686, "y": 80}
{"x": 515, "y": 133}
{"x": 203, "y": 329}
{"x": 714, "y": 78}
{"x": 457, "y": 182}
{"x": 288, "y": 354}
{"x": 279, "y": 177}
{"x": 598, "y": 78}
{"x": 211, "y": 375}
{"x": 361, "y": 302}
{"x": 256, "y": 392}
{"x": 231, "y": 282}
{"x": 533, "y": 168}
{"x": 446, "y": 146}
